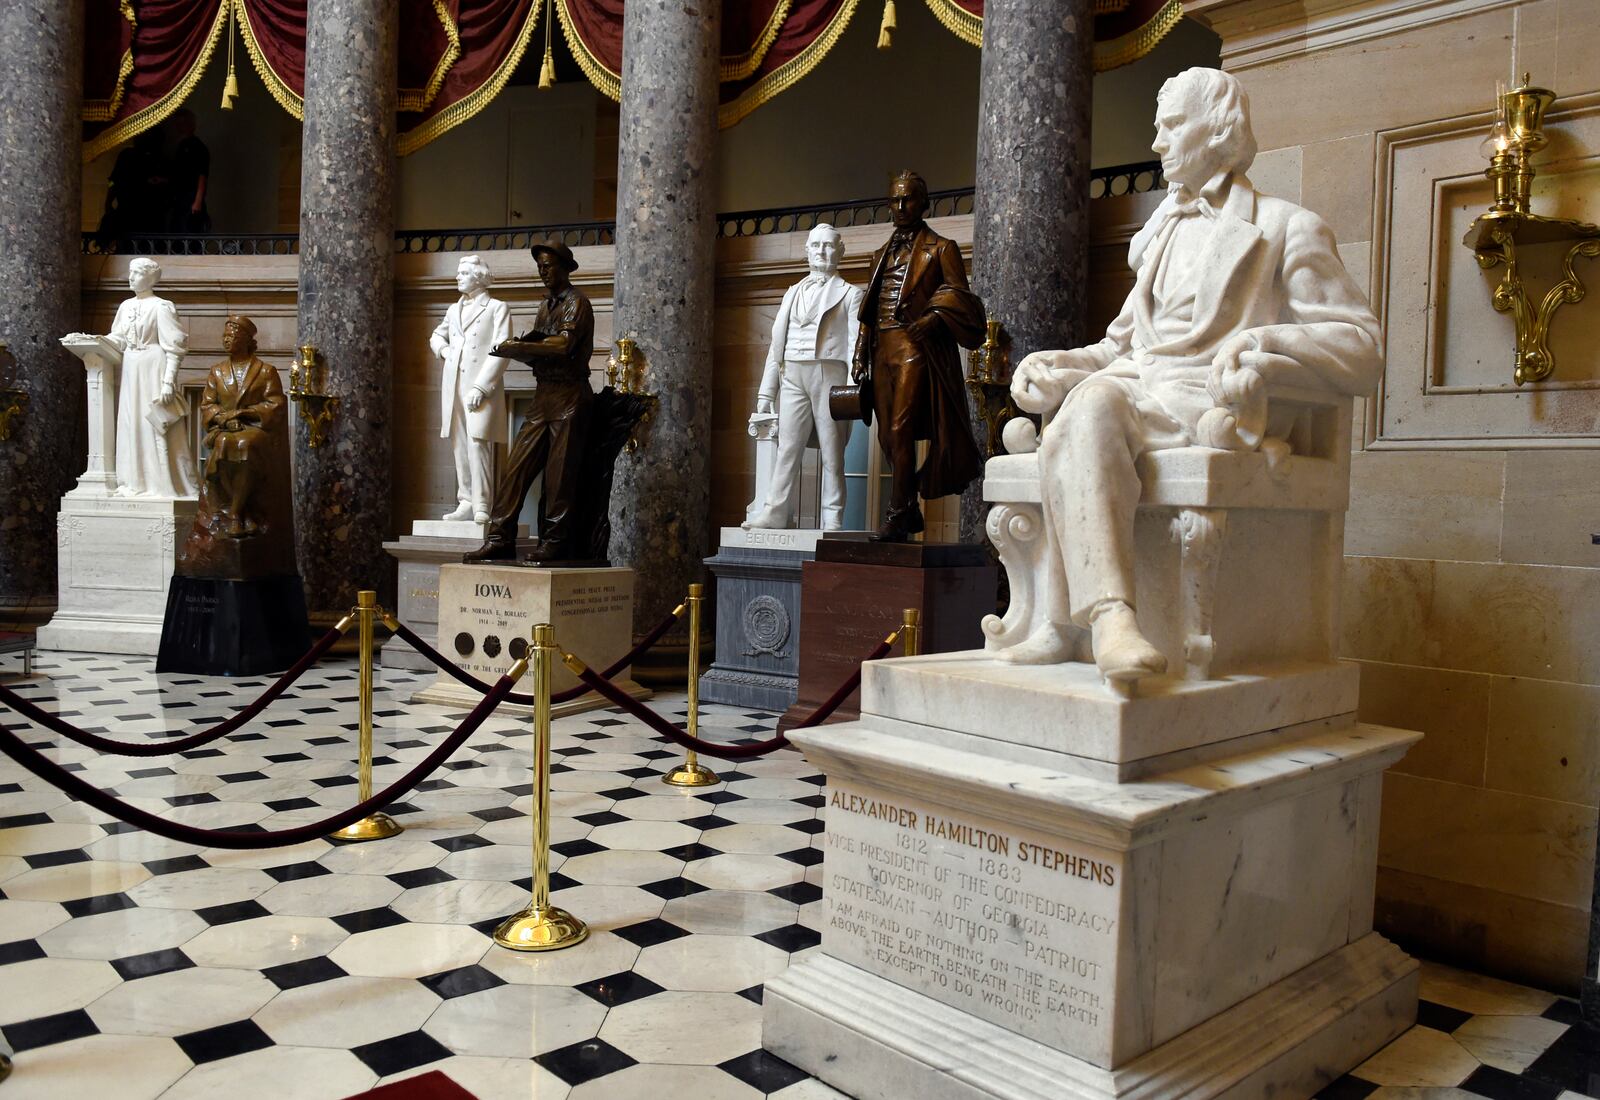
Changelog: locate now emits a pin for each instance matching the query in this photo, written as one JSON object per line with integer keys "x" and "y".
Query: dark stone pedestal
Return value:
{"x": 849, "y": 604}
{"x": 233, "y": 628}
{"x": 758, "y": 628}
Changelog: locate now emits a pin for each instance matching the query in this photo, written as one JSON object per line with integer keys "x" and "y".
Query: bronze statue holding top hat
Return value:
{"x": 917, "y": 309}
{"x": 553, "y": 440}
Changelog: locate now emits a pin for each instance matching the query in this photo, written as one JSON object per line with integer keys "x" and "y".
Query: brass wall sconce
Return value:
{"x": 308, "y": 389}
{"x": 1494, "y": 236}
{"x": 12, "y": 398}
{"x": 989, "y": 379}
{"x": 625, "y": 373}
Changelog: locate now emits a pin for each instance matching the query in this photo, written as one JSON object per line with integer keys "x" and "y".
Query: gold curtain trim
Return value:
{"x": 410, "y": 99}
{"x": 153, "y": 115}
{"x": 464, "y": 108}
{"x": 789, "y": 73}
{"x": 744, "y": 66}
{"x": 959, "y": 21}
{"x": 608, "y": 82}
{"x": 1130, "y": 47}
{"x": 279, "y": 90}
{"x": 104, "y": 110}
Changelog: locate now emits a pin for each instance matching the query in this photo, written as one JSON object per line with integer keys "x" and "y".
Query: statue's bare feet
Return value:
{"x": 1120, "y": 648}
{"x": 463, "y": 511}
{"x": 1050, "y": 644}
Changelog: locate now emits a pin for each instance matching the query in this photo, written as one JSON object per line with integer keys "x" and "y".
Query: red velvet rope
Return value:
{"x": 85, "y": 792}
{"x": 410, "y": 637}
{"x": 34, "y": 713}
{"x": 620, "y": 698}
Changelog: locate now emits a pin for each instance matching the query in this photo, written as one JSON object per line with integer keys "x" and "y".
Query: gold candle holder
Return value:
{"x": 309, "y": 393}
{"x": 988, "y": 380}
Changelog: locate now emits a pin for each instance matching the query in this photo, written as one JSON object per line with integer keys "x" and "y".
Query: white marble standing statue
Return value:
{"x": 812, "y": 340}
{"x": 472, "y": 397}
{"x": 152, "y": 444}
{"x": 1234, "y": 291}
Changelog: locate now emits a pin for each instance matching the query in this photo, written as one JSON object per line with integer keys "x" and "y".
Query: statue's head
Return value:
{"x": 824, "y": 249}
{"x": 472, "y": 275}
{"x": 908, "y": 200}
{"x": 1203, "y": 127}
{"x": 556, "y": 264}
{"x": 239, "y": 337}
{"x": 143, "y": 274}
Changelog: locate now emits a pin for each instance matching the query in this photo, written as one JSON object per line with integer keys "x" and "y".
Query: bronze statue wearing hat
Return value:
{"x": 916, "y": 310}
{"x": 554, "y": 438}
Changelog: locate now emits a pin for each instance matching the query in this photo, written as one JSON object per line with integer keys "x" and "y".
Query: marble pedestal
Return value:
{"x": 432, "y": 543}
{"x": 758, "y": 615}
{"x": 115, "y": 557}
{"x": 487, "y": 614}
{"x": 1005, "y": 918}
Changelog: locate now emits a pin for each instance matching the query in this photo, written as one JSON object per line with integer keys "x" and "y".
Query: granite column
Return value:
{"x": 666, "y": 239}
{"x": 347, "y": 173}
{"x": 1030, "y": 232}
{"x": 41, "y": 101}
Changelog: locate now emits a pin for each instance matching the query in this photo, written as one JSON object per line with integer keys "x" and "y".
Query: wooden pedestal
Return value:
{"x": 856, "y": 593}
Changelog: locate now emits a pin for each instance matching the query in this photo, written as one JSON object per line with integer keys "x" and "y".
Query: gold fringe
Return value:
{"x": 744, "y": 66}
{"x": 1130, "y": 47}
{"x": 958, "y": 21}
{"x": 887, "y": 28}
{"x": 606, "y": 81}
{"x": 789, "y": 73}
{"x": 547, "y": 71}
{"x": 153, "y": 115}
{"x": 280, "y": 91}
{"x": 463, "y": 109}
{"x": 412, "y": 100}
{"x": 104, "y": 110}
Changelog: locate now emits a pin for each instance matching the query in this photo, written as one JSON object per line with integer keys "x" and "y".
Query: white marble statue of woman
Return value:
{"x": 151, "y": 460}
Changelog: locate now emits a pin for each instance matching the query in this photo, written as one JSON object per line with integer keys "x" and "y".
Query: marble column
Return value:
{"x": 1030, "y": 233}
{"x": 347, "y": 179}
{"x": 666, "y": 236}
{"x": 41, "y": 99}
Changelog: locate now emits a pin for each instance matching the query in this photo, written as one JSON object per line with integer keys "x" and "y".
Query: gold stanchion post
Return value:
{"x": 5, "y": 1066}
{"x": 379, "y": 825}
{"x": 910, "y": 631}
{"x": 692, "y": 773}
{"x": 541, "y": 926}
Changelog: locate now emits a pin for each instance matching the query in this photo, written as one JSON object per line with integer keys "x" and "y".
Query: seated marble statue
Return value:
{"x": 244, "y": 497}
{"x": 1234, "y": 291}
{"x": 811, "y": 343}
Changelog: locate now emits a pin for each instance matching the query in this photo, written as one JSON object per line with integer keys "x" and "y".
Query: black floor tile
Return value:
{"x": 619, "y": 989}
{"x": 401, "y": 1053}
{"x": 763, "y": 1072}
{"x": 151, "y": 963}
{"x": 304, "y": 972}
{"x": 1500, "y": 1085}
{"x": 585, "y": 1061}
{"x": 45, "y": 1031}
{"x": 215, "y": 1043}
{"x": 461, "y": 981}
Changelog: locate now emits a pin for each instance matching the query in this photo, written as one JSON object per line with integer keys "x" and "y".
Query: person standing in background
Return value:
{"x": 191, "y": 173}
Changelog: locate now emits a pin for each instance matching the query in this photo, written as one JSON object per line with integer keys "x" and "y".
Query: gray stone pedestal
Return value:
{"x": 758, "y": 618}
{"x": 419, "y": 557}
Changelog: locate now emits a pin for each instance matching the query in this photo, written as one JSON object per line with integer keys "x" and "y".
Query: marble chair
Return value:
{"x": 1238, "y": 554}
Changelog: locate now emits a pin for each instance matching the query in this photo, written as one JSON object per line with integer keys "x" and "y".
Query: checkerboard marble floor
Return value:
{"x": 135, "y": 967}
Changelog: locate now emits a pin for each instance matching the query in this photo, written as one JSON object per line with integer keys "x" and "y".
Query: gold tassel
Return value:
{"x": 887, "y": 28}
{"x": 230, "y": 86}
{"x": 547, "y": 71}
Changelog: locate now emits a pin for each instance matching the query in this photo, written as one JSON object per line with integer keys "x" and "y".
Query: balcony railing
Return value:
{"x": 1123, "y": 179}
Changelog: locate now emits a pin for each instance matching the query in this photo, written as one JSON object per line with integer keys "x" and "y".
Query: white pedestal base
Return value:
{"x": 487, "y": 614}
{"x": 876, "y": 1040}
{"x": 115, "y": 557}
{"x": 801, "y": 540}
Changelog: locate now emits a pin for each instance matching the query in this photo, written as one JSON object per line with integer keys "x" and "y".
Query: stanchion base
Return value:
{"x": 547, "y": 929}
{"x": 691, "y": 775}
{"x": 373, "y": 827}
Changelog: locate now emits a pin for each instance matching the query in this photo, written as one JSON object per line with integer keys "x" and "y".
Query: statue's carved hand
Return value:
{"x": 763, "y": 405}
{"x": 1234, "y": 370}
{"x": 168, "y": 389}
{"x": 919, "y": 329}
{"x": 475, "y": 399}
{"x": 858, "y": 372}
{"x": 1043, "y": 379}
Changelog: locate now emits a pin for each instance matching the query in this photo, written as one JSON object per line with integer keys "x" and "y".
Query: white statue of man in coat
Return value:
{"x": 1233, "y": 290}
{"x": 472, "y": 398}
{"x": 813, "y": 338}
